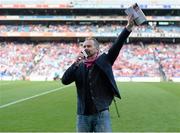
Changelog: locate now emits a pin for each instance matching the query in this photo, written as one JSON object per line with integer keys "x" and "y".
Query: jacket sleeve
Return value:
{"x": 116, "y": 47}
{"x": 69, "y": 75}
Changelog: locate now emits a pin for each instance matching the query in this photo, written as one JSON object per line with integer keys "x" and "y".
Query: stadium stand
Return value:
{"x": 40, "y": 39}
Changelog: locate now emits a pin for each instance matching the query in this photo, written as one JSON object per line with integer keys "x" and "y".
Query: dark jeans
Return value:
{"x": 99, "y": 122}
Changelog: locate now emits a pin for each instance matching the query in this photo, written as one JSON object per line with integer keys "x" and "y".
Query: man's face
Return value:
{"x": 90, "y": 48}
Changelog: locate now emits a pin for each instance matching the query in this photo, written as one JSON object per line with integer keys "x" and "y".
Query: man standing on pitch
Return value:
{"x": 95, "y": 83}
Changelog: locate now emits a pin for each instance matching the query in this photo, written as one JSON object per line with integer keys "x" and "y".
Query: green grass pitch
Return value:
{"x": 46, "y": 107}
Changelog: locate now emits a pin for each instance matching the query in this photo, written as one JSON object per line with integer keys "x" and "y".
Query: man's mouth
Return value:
{"x": 87, "y": 52}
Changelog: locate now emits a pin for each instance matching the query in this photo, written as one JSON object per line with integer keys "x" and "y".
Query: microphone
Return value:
{"x": 81, "y": 58}
{"x": 84, "y": 52}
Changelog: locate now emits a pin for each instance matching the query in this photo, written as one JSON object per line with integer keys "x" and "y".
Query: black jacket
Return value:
{"x": 101, "y": 96}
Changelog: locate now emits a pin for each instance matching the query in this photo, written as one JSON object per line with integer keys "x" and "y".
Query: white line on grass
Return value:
{"x": 24, "y": 99}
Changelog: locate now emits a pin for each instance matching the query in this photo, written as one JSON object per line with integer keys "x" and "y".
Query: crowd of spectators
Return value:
{"x": 17, "y": 59}
{"x": 21, "y": 60}
{"x": 134, "y": 60}
{"x": 169, "y": 58}
{"x": 98, "y": 28}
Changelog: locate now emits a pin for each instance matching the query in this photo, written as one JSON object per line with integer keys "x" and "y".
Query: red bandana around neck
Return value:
{"x": 90, "y": 61}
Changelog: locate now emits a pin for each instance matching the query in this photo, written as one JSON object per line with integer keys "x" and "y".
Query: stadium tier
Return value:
{"x": 86, "y": 4}
{"x": 39, "y": 40}
{"x": 21, "y": 60}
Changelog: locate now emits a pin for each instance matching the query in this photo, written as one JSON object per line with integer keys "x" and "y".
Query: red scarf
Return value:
{"x": 90, "y": 61}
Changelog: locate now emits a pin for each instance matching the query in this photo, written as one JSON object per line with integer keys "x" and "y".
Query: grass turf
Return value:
{"x": 145, "y": 107}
